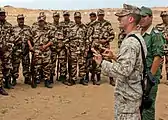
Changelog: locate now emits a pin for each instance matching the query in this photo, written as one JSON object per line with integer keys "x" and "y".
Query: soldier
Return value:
{"x": 154, "y": 42}
{"x": 163, "y": 27}
{"x": 121, "y": 37}
{"x": 102, "y": 36}
{"x": 2, "y": 22}
{"x": 77, "y": 45}
{"x": 128, "y": 68}
{"x": 56, "y": 17}
{"x": 6, "y": 33}
{"x": 63, "y": 54}
{"x": 41, "y": 51}
{"x": 20, "y": 52}
{"x": 89, "y": 33}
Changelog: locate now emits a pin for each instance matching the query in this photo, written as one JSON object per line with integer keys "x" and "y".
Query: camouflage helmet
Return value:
{"x": 20, "y": 16}
{"x": 77, "y": 14}
{"x": 56, "y": 14}
{"x": 100, "y": 12}
{"x": 92, "y": 13}
{"x": 164, "y": 13}
{"x": 128, "y": 9}
{"x": 65, "y": 13}
{"x": 42, "y": 14}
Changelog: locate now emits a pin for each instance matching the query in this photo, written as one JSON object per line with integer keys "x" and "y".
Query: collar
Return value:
{"x": 148, "y": 31}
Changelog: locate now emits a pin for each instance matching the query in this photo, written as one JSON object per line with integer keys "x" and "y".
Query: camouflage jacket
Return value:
{"x": 21, "y": 36}
{"x": 77, "y": 38}
{"x": 41, "y": 36}
{"x": 121, "y": 37}
{"x": 102, "y": 30}
{"x": 163, "y": 28}
{"x": 6, "y": 36}
{"x": 65, "y": 26}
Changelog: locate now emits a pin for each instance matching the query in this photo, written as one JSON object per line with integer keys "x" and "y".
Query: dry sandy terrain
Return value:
{"x": 69, "y": 103}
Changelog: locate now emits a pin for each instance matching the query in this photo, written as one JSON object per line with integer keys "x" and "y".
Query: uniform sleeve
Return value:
{"x": 111, "y": 33}
{"x": 124, "y": 65}
{"x": 157, "y": 46}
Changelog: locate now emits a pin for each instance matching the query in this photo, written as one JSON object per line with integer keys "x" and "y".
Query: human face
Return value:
{"x": 56, "y": 18}
{"x": 93, "y": 18}
{"x": 123, "y": 22}
{"x": 41, "y": 23}
{"x": 77, "y": 20}
{"x": 100, "y": 17}
{"x": 165, "y": 19}
{"x": 66, "y": 17}
{"x": 20, "y": 21}
{"x": 146, "y": 21}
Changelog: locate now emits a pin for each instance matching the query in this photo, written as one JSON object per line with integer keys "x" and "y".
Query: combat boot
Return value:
{"x": 98, "y": 79}
{"x": 48, "y": 84}
{"x": 8, "y": 84}
{"x": 93, "y": 79}
{"x": 14, "y": 82}
{"x": 84, "y": 81}
{"x": 62, "y": 78}
{"x": 3, "y": 92}
{"x": 51, "y": 78}
{"x": 112, "y": 82}
{"x": 27, "y": 81}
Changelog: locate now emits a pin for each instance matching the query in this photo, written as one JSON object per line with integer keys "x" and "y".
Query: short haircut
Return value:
{"x": 137, "y": 17}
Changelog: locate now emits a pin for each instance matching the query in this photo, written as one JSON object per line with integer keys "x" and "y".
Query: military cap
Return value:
{"x": 100, "y": 12}
{"x": 56, "y": 14}
{"x": 65, "y": 13}
{"x": 164, "y": 13}
{"x": 128, "y": 9}
{"x": 145, "y": 11}
{"x": 92, "y": 13}
{"x": 77, "y": 14}
{"x": 41, "y": 18}
{"x": 42, "y": 14}
{"x": 2, "y": 10}
{"x": 19, "y": 16}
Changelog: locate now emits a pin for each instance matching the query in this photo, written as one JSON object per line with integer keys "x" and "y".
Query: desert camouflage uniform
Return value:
{"x": 128, "y": 90}
{"x": 42, "y": 58}
{"x": 57, "y": 34}
{"x": 62, "y": 55}
{"x": 102, "y": 30}
{"x": 121, "y": 37}
{"x": 78, "y": 45}
{"x": 6, "y": 33}
{"x": 21, "y": 51}
{"x": 163, "y": 28}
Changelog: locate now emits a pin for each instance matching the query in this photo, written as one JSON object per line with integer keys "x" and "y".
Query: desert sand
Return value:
{"x": 70, "y": 103}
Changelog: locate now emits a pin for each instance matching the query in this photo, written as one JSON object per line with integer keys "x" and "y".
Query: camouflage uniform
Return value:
{"x": 3, "y": 32}
{"x": 54, "y": 51}
{"x": 21, "y": 50}
{"x": 6, "y": 33}
{"x": 121, "y": 37}
{"x": 127, "y": 70}
{"x": 164, "y": 29}
{"x": 102, "y": 31}
{"x": 42, "y": 64}
{"x": 63, "y": 53}
{"x": 77, "y": 45}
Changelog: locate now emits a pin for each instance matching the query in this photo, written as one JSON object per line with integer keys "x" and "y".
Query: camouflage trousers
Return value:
{"x": 7, "y": 64}
{"x": 81, "y": 62}
{"x": 42, "y": 64}
{"x": 1, "y": 75}
{"x": 17, "y": 57}
{"x": 126, "y": 109}
{"x": 62, "y": 57}
{"x": 53, "y": 62}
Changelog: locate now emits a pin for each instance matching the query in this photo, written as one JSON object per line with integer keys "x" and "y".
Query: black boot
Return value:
{"x": 14, "y": 82}
{"x": 112, "y": 82}
{"x": 85, "y": 80}
{"x": 27, "y": 81}
{"x": 48, "y": 84}
{"x": 93, "y": 78}
{"x": 51, "y": 78}
{"x": 3, "y": 92}
{"x": 98, "y": 79}
{"x": 62, "y": 78}
{"x": 8, "y": 84}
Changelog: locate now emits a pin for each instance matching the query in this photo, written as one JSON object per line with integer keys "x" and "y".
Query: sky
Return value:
{"x": 80, "y": 4}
